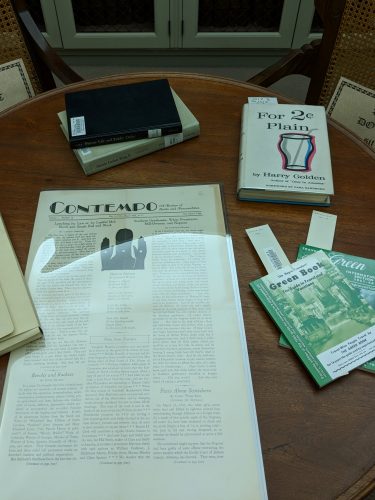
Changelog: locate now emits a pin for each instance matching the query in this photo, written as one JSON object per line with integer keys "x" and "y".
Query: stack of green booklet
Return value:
{"x": 98, "y": 158}
{"x": 324, "y": 306}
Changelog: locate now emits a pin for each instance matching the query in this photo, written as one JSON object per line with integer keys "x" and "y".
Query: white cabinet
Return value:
{"x": 239, "y": 23}
{"x": 113, "y": 24}
{"x": 176, "y": 24}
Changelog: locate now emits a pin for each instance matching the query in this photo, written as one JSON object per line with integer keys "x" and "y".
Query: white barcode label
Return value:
{"x": 170, "y": 140}
{"x": 155, "y": 132}
{"x": 78, "y": 126}
{"x": 273, "y": 258}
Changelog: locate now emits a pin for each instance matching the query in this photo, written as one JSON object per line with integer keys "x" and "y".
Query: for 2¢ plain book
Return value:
{"x": 285, "y": 155}
{"x": 121, "y": 113}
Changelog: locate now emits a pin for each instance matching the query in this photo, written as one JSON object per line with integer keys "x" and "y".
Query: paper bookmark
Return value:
{"x": 322, "y": 230}
{"x": 268, "y": 248}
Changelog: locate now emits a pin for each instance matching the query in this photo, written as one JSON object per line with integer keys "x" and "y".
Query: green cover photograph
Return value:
{"x": 360, "y": 272}
{"x": 327, "y": 322}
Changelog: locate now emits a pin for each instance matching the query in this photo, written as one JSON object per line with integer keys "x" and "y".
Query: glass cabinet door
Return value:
{"x": 107, "y": 24}
{"x": 239, "y": 23}
{"x": 137, "y": 24}
{"x": 308, "y": 27}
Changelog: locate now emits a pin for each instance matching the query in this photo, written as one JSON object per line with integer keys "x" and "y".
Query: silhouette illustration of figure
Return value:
{"x": 119, "y": 256}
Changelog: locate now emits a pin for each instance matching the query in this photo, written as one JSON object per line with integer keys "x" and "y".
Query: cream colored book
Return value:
{"x": 18, "y": 320}
{"x": 285, "y": 154}
{"x": 95, "y": 159}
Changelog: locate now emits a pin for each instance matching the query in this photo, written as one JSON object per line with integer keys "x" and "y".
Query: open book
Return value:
{"x": 141, "y": 387}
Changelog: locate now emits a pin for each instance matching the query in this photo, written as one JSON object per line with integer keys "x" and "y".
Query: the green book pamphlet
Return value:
{"x": 329, "y": 325}
{"x": 360, "y": 272}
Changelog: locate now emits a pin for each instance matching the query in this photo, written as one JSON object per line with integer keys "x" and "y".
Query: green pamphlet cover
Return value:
{"x": 359, "y": 271}
{"x": 329, "y": 325}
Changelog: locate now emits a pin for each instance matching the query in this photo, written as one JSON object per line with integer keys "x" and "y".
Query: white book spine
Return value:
{"x": 242, "y": 151}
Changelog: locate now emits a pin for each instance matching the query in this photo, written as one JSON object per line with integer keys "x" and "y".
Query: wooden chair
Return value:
{"x": 20, "y": 38}
{"x": 347, "y": 49}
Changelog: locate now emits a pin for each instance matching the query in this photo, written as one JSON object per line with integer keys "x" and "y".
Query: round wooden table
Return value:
{"x": 317, "y": 443}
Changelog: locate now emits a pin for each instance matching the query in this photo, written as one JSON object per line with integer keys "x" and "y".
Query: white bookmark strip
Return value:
{"x": 322, "y": 230}
{"x": 268, "y": 248}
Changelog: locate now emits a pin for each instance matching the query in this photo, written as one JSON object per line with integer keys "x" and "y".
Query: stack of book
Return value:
{"x": 109, "y": 126}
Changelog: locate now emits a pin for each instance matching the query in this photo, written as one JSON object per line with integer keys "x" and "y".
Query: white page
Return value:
{"x": 139, "y": 390}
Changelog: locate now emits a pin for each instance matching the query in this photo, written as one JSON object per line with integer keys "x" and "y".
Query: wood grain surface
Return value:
{"x": 316, "y": 443}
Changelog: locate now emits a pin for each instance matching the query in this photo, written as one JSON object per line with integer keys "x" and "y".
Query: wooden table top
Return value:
{"x": 316, "y": 443}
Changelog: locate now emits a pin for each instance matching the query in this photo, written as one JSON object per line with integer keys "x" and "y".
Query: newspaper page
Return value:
{"x": 140, "y": 388}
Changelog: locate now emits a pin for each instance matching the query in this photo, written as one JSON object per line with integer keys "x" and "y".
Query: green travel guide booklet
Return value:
{"x": 360, "y": 272}
{"x": 329, "y": 325}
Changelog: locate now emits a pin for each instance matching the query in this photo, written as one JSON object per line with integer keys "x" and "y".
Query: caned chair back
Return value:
{"x": 353, "y": 53}
{"x": 20, "y": 38}
{"x": 13, "y": 45}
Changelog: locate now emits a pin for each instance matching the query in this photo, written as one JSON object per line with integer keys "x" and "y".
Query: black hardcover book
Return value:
{"x": 121, "y": 113}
